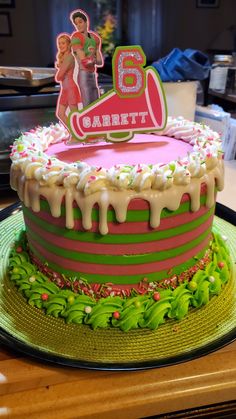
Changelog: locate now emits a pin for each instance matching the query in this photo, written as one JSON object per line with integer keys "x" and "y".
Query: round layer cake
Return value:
{"x": 119, "y": 220}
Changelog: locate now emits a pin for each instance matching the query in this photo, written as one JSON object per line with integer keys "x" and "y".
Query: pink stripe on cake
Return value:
{"x": 119, "y": 249}
{"x": 117, "y": 270}
{"x": 134, "y": 227}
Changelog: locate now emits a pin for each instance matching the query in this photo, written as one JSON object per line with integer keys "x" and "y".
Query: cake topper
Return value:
{"x": 78, "y": 56}
{"x": 69, "y": 96}
{"x": 86, "y": 47}
{"x": 135, "y": 104}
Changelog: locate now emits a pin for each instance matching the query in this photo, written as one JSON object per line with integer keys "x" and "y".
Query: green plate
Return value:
{"x": 29, "y": 330}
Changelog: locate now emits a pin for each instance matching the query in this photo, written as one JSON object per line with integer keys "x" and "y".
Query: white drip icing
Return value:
{"x": 30, "y": 192}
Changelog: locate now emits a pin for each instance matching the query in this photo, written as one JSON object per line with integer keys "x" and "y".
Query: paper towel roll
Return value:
{"x": 181, "y": 98}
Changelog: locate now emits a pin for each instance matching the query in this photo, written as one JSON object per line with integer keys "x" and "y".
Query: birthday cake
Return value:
{"x": 119, "y": 234}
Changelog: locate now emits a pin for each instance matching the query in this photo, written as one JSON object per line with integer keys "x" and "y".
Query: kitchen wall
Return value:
{"x": 183, "y": 25}
{"x": 187, "y": 26}
{"x": 29, "y": 42}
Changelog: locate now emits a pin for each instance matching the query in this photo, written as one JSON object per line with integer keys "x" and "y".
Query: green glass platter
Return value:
{"x": 29, "y": 330}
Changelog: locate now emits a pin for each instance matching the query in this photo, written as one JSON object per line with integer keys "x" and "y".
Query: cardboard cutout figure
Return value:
{"x": 69, "y": 96}
{"x": 86, "y": 47}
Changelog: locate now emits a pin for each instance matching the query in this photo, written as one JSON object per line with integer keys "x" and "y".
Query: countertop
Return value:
{"x": 30, "y": 388}
{"x": 33, "y": 390}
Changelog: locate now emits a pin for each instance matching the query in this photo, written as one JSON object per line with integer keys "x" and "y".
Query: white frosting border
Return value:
{"x": 28, "y": 155}
{"x": 35, "y": 174}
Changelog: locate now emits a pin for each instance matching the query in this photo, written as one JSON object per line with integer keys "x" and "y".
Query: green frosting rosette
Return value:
{"x": 77, "y": 307}
{"x": 181, "y": 300}
{"x": 148, "y": 310}
{"x": 156, "y": 311}
{"x": 132, "y": 313}
{"x": 101, "y": 315}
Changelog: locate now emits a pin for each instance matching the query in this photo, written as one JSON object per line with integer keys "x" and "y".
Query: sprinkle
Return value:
{"x": 19, "y": 249}
{"x": 221, "y": 265}
{"x": 116, "y": 315}
{"x": 142, "y": 291}
{"x": 23, "y": 154}
{"x": 87, "y": 309}
{"x": 59, "y": 282}
{"x": 32, "y": 279}
{"x": 96, "y": 287}
{"x": 20, "y": 147}
{"x": 192, "y": 286}
{"x": 212, "y": 279}
{"x": 156, "y": 296}
{"x": 44, "y": 297}
{"x": 71, "y": 299}
{"x": 176, "y": 328}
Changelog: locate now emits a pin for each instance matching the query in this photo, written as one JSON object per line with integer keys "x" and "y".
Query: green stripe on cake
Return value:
{"x": 87, "y": 236}
{"x": 123, "y": 279}
{"x": 132, "y": 215}
{"x": 126, "y": 260}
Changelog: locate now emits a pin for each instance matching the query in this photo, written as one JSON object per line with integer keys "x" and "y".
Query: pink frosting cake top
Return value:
{"x": 142, "y": 149}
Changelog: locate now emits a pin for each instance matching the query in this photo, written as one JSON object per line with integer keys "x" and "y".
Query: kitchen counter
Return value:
{"x": 30, "y": 388}
{"x": 33, "y": 390}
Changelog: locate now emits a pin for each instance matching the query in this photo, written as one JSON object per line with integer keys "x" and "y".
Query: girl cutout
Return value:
{"x": 69, "y": 94}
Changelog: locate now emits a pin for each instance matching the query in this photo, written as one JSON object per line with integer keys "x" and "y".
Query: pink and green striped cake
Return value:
{"x": 119, "y": 235}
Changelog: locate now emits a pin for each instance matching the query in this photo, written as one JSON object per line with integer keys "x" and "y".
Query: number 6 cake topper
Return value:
{"x": 135, "y": 104}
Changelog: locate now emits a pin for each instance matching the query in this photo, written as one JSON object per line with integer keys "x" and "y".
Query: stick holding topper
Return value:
{"x": 136, "y": 103}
